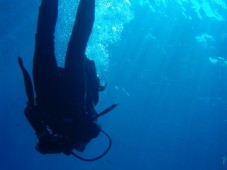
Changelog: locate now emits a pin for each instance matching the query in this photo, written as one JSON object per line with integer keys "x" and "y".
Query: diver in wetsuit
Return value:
{"x": 63, "y": 114}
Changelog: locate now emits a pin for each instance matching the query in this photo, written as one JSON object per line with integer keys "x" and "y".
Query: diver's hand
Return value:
{"x": 20, "y": 62}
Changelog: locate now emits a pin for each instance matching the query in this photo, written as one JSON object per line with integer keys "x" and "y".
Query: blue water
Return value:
{"x": 165, "y": 63}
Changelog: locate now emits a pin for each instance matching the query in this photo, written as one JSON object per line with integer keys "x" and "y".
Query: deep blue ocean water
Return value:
{"x": 166, "y": 65}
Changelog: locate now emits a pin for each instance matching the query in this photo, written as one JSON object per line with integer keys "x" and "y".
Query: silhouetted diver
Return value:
{"x": 63, "y": 113}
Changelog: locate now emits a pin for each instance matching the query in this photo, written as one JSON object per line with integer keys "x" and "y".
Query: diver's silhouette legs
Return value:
{"x": 75, "y": 56}
{"x": 44, "y": 62}
{"x": 45, "y": 70}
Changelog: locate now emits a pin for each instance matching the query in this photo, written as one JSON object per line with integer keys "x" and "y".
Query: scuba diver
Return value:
{"x": 62, "y": 112}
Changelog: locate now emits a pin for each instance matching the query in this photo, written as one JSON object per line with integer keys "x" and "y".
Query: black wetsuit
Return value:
{"x": 64, "y": 96}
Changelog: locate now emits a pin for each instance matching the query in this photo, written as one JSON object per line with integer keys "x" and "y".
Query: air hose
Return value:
{"x": 98, "y": 157}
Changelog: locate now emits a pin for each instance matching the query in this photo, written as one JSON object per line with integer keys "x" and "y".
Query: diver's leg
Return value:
{"x": 44, "y": 62}
{"x": 75, "y": 57}
{"x": 80, "y": 35}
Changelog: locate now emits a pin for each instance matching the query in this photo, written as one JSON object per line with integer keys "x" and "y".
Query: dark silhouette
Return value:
{"x": 63, "y": 114}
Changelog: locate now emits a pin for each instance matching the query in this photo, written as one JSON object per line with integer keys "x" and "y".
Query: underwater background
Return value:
{"x": 166, "y": 65}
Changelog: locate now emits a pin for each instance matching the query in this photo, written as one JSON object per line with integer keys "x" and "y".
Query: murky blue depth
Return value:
{"x": 166, "y": 65}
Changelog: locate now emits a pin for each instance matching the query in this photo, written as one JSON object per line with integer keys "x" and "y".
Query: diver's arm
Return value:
{"x": 28, "y": 84}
